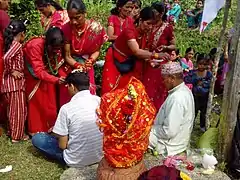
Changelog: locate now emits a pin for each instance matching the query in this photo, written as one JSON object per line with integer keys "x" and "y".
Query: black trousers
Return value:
{"x": 201, "y": 105}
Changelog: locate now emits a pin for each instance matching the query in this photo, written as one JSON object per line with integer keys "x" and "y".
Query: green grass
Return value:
{"x": 27, "y": 163}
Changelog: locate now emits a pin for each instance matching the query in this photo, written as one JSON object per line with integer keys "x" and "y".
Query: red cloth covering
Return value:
{"x": 155, "y": 87}
{"x": 119, "y": 26}
{"x": 42, "y": 107}
{"x": 58, "y": 19}
{"x": 126, "y": 116}
{"x": 111, "y": 78}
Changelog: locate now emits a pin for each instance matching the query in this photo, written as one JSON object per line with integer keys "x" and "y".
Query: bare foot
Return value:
{"x": 25, "y": 137}
{"x": 15, "y": 141}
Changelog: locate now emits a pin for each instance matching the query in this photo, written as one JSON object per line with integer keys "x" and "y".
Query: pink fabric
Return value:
{"x": 190, "y": 65}
{"x": 224, "y": 73}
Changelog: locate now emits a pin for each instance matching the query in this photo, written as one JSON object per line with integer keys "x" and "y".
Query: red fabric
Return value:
{"x": 58, "y": 19}
{"x": 17, "y": 113}
{"x": 111, "y": 78}
{"x": 13, "y": 61}
{"x": 4, "y": 20}
{"x": 93, "y": 37}
{"x": 118, "y": 26}
{"x": 161, "y": 173}
{"x": 152, "y": 78}
{"x": 42, "y": 108}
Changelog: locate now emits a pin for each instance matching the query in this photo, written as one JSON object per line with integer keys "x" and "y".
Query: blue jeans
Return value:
{"x": 48, "y": 146}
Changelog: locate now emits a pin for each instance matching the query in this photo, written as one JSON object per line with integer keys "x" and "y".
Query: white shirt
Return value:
{"x": 173, "y": 125}
{"x": 77, "y": 120}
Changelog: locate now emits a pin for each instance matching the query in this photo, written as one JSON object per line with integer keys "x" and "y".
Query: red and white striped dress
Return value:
{"x": 14, "y": 90}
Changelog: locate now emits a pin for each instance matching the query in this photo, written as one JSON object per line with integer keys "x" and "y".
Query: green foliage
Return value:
{"x": 25, "y": 9}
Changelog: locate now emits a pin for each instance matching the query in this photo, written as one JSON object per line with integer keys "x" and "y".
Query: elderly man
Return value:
{"x": 172, "y": 128}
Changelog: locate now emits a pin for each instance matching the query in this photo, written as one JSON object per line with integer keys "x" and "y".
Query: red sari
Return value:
{"x": 111, "y": 77}
{"x": 40, "y": 87}
{"x": 152, "y": 78}
{"x": 83, "y": 46}
{"x": 4, "y": 21}
{"x": 58, "y": 19}
{"x": 119, "y": 26}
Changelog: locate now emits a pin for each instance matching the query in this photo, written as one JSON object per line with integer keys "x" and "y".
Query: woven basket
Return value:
{"x": 106, "y": 172}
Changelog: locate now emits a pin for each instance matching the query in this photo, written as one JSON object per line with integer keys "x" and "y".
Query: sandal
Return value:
{"x": 26, "y": 138}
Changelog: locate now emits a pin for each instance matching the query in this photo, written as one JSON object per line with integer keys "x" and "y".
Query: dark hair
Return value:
{"x": 119, "y": 4}
{"x": 160, "y": 7}
{"x": 213, "y": 51}
{"x": 54, "y": 37}
{"x": 189, "y": 50}
{"x": 146, "y": 13}
{"x": 14, "y": 28}
{"x": 139, "y": 3}
{"x": 79, "y": 79}
{"x": 78, "y": 5}
{"x": 45, "y": 3}
{"x": 177, "y": 51}
{"x": 200, "y": 57}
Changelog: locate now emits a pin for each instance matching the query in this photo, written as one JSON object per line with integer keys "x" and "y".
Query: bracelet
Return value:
{"x": 155, "y": 56}
{"x": 77, "y": 65}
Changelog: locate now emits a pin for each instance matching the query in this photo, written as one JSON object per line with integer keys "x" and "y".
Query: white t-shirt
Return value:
{"x": 77, "y": 119}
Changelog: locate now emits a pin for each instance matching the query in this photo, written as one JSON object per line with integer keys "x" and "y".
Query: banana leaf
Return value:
{"x": 209, "y": 139}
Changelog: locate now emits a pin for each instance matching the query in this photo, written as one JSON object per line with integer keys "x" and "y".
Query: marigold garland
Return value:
{"x": 125, "y": 117}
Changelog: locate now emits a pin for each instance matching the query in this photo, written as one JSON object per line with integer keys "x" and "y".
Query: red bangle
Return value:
{"x": 77, "y": 65}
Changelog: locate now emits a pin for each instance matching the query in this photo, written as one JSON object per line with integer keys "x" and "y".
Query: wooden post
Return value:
{"x": 231, "y": 94}
{"x": 216, "y": 62}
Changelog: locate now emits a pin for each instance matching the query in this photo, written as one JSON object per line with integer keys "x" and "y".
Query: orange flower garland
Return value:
{"x": 125, "y": 117}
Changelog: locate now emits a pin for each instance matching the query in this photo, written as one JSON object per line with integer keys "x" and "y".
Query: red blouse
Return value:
{"x": 120, "y": 44}
{"x": 58, "y": 19}
{"x": 33, "y": 51}
{"x": 119, "y": 26}
{"x": 90, "y": 41}
{"x": 160, "y": 36}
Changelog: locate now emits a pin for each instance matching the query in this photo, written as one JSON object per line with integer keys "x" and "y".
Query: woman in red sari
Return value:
{"x": 52, "y": 14}
{"x": 120, "y": 18}
{"x": 44, "y": 65}
{"x": 161, "y": 39}
{"x": 84, "y": 39}
{"x": 4, "y": 22}
{"x": 121, "y": 59}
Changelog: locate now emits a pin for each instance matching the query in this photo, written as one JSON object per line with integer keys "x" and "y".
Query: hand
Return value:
{"x": 89, "y": 62}
{"x": 200, "y": 83}
{"x": 50, "y": 130}
{"x": 17, "y": 74}
{"x": 164, "y": 56}
{"x": 61, "y": 80}
{"x": 162, "y": 48}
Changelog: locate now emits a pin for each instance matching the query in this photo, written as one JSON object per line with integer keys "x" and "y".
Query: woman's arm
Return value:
{"x": 68, "y": 57}
{"x": 110, "y": 33}
{"x": 144, "y": 54}
{"x": 140, "y": 53}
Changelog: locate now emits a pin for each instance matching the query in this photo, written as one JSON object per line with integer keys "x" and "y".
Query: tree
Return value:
{"x": 231, "y": 94}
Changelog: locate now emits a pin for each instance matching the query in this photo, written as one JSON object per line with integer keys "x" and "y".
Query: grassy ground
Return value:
{"x": 26, "y": 161}
{"x": 28, "y": 164}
